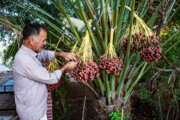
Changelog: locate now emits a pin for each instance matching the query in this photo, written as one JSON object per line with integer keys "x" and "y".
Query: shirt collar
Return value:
{"x": 29, "y": 51}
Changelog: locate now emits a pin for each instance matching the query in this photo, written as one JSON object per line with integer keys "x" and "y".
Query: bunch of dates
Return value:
{"x": 54, "y": 86}
{"x": 140, "y": 41}
{"x": 111, "y": 66}
{"x": 151, "y": 54}
{"x": 84, "y": 72}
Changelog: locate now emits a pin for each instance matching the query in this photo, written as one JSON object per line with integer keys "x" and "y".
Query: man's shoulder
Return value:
{"x": 22, "y": 57}
{"x": 21, "y": 54}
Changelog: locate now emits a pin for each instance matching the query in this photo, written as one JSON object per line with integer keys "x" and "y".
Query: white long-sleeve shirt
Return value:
{"x": 30, "y": 80}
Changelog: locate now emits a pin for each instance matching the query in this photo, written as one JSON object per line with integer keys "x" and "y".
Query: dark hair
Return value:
{"x": 32, "y": 29}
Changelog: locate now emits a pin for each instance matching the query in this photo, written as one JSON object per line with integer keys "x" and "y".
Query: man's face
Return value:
{"x": 40, "y": 42}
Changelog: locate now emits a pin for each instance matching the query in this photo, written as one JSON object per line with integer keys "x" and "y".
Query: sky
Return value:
{"x": 2, "y": 47}
{"x": 2, "y": 67}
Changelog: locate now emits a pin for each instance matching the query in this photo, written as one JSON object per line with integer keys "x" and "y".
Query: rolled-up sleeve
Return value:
{"x": 46, "y": 54}
{"x": 37, "y": 73}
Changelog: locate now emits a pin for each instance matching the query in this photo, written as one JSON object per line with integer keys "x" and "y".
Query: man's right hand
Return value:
{"x": 69, "y": 66}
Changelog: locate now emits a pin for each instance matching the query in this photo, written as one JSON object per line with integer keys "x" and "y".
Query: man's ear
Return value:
{"x": 31, "y": 40}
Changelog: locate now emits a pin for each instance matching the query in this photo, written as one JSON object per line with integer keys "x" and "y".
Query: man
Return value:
{"x": 30, "y": 78}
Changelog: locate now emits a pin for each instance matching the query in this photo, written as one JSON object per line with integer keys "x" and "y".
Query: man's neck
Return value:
{"x": 28, "y": 46}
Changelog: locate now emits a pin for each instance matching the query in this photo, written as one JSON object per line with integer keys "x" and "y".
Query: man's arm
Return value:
{"x": 37, "y": 73}
{"x": 50, "y": 55}
{"x": 46, "y": 55}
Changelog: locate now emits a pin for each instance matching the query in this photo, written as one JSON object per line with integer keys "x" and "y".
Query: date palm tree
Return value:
{"x": 112, "y": 21}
